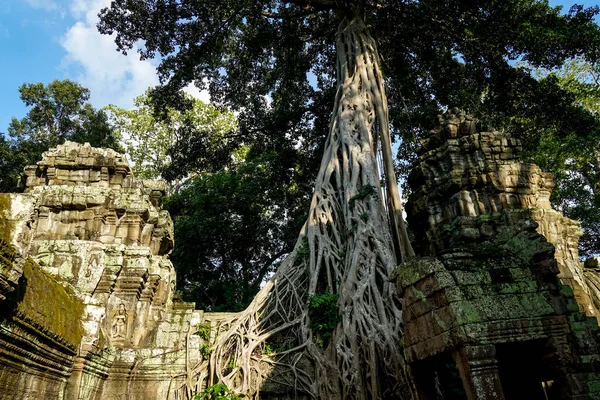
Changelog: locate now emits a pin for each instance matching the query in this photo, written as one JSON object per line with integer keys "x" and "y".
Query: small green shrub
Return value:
{"x": 204, "y": 331}
{"x": 218, "y": 391}
{"x": 232, "y": 364}
{"x": 363, "y": 192}
{"x": 205, "y": 350}
{"x": 453, "y": 228}
{"x": 323, "y": 314}
{"x": 268, "y": 348}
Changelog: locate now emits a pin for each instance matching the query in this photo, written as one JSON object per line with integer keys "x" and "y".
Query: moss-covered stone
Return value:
{"x": 45, "y": 301}
{"x": 487, "y": 218}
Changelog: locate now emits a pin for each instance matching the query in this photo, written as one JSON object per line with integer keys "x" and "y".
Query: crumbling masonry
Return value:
{"x": 86, "y": 286}
{"x": 495, "y": 311}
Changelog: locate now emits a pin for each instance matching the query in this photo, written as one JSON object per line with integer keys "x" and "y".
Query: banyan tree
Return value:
{"x": 330, "y": 316}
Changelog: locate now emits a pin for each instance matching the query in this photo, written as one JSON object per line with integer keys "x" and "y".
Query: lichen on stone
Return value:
{"x": 54, "y": 306}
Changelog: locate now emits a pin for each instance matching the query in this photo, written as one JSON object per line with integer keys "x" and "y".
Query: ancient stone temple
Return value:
{"x": 86, "y": 286}
{"x": 496, "y": 306}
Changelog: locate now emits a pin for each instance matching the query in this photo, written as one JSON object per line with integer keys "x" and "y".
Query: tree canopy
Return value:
{"x": 154, "y": 145}
{"x": 574, "y": 158}
{"x": 436, "y": 54}
{"x": 61, "y": 111}
{"x": 58, "y": 112}
{"x": 232, "y": 229}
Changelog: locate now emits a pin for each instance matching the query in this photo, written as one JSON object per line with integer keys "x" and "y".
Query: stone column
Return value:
{"x": 568, "y": 384}
{"x": 478, "y": 370}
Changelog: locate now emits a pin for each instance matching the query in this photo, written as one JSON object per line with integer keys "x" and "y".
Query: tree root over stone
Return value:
{"x": 346, "y": 247}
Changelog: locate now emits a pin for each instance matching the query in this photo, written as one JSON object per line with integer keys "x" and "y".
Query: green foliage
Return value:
{"x": 579, "y": 78}
{"x": 323, "y": 314}
{"x": 453, "y": 227}
{"x": 267, "y": 348}
{"x": 363, "y": 192}
{"x": 232, "y": 228}
{"x": 205, "y": 351}
{"x": 574, "y": 157}
{"x": 232, "y": 364}
{"x": 218, "y": 391}
{"x": 204, "y": 330}
{"x": 58, "y": 112}
{"x": 152, "y": 143}
{"x": 14, "y": 156}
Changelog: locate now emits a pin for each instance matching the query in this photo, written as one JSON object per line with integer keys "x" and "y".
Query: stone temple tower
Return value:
{"x": 496, "y": 306}
{"x": 86, "y": 286}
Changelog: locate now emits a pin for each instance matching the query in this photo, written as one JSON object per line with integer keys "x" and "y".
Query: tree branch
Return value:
{"x": 314, "y": 4}
{"x": 266, "y": 266}
{"x": 291, "y": 16}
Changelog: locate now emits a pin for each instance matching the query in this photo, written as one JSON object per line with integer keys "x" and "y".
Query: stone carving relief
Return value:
{"x": 119, "y": 326}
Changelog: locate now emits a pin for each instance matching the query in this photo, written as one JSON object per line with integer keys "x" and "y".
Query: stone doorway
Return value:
{"x": 525, "y": 371}
{"x": 438, "y": 378}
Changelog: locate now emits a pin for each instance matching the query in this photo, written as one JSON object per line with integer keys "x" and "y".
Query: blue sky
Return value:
{"x": 43, "y": 40}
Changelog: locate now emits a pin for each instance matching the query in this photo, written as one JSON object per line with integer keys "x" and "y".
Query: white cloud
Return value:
{"x": 197, "y": 93}
{"x": 87, "y": 9}
{"x": 93, "y": 60}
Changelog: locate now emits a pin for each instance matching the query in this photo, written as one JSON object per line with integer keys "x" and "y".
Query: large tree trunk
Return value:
{"x": 346, "y": 248}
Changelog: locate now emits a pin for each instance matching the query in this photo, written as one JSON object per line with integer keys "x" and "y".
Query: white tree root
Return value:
{"x": 346, "y": 247}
